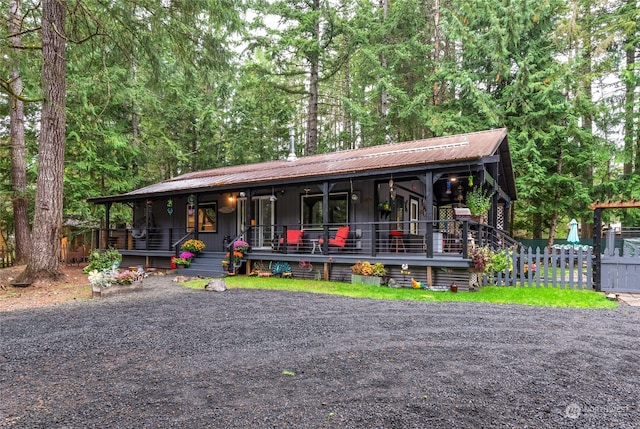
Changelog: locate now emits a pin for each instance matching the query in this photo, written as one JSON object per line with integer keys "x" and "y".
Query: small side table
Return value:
{"x": 316, "y": 245}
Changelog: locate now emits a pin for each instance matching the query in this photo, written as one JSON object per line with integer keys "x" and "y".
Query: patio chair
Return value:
{"x": 340, "y": 239}
{"x": 294, "y": 238}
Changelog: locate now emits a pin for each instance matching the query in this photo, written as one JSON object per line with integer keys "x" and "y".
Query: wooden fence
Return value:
{"x": 568, "y": 267}
{"x": 7, "y": 258}
{"x": 620, "y": 266}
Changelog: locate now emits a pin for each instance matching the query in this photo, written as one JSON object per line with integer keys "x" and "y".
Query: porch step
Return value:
{"x": 207, "y": 264}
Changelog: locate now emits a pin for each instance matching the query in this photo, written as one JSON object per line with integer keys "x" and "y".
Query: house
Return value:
{"x": 400, "y": 204}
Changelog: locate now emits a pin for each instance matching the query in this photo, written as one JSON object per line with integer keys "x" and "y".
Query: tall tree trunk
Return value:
{"x": 586, "y": 223}
{"x": 314, "y": 60}
{"x": 631, "y": 88}
{"x": 44, "y": 258}
{"x": 436, "y": 49}
{"x": 18, "y": 146}
{"x": 384, "y": 94}
{"x": 631, "y": 154}
{"x": 553, "y": 224}
{"x": 348, "y": 133}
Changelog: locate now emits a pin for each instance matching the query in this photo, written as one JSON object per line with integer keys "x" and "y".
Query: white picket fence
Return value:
{"x": 565, "y": 268}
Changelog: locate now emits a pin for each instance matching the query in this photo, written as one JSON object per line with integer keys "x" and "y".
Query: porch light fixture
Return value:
{"x": 354, "y": 196}
{"x": 242, "y": 194}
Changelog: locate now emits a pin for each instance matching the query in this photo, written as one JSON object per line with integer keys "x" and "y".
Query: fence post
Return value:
{"x": 536, "y": 261}
{"x": 465, "y": 238}
{"x": 545, "y": 266}
{"x": 597, "y": 237}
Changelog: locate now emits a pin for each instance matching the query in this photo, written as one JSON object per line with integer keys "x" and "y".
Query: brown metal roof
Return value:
{"x": 440, "y": 150}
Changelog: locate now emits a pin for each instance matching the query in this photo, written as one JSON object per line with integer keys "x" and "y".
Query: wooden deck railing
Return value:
{"x": 441, "y": 237}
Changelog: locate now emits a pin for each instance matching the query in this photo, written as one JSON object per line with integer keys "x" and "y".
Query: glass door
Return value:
{"x": 241, "y": 218}
{"x": 264, "y": 215}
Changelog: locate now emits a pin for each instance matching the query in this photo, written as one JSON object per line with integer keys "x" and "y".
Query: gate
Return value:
{"x": 620, "y": 269}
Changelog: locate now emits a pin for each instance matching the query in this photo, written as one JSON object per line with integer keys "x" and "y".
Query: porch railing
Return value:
{"x": 441, "y": 237}
{"x": 430, "y": 238}
{"x": 157, "y": 239}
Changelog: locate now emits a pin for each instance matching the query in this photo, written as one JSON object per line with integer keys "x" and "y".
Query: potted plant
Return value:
{"x": 367, "y": 273}
{"x": 193, "y": 246}
{"x": 241, "y": 246}
{"x": 182, "y": 262}
{"x": 487, "y": 262}
{"x": 186, "y": 255}
{"x": 478, "y": 202}
{"x": 236, "y": 257}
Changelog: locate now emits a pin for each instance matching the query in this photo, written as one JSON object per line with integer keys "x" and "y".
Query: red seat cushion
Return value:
{"x": 341, "y": 237}
{"x": 396, "y": 233}
{"x": 340, "y": 240}
{"x": 294, "y": 237}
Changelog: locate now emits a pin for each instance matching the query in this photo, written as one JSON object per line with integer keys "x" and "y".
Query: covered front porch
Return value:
{"x": 433, "y": 252}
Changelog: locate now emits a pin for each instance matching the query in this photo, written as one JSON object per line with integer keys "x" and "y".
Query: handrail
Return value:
{"x": 234, "y": 239}
{"x": 183, "y": 238}
{"x": 230, "y": 247}
{"x": 497, "y": 238}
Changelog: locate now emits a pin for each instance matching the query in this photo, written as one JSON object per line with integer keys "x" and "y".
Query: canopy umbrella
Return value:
{"x": 573, "y": 238}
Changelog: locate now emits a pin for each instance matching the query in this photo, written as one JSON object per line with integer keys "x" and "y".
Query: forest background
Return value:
{"x": 149, "y": 89}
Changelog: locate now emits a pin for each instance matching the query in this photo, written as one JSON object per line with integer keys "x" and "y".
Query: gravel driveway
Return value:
{"x": 170, "y": 357}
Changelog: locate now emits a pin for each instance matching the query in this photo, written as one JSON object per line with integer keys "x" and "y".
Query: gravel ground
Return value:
{"x": 170, "y": 357}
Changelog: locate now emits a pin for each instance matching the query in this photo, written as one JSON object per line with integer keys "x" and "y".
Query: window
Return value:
{"x": 312, "y": 209}
{"x": 207, "y": 217}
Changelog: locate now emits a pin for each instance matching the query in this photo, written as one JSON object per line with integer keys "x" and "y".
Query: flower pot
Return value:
{"x": 366, "y": 280}
{"x": 114, "y": 289}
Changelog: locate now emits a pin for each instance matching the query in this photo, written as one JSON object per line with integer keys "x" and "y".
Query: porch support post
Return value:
{"x": 247, "y": 218}
{"x": 148, "y": 210}
{"x": 325, "y": 217}
{"x": 465, "y": 238}
{"x": 597, "y": 241}
{"x": 493, "y": 211}
{"x": 195, "y": 218}
{"x": 428, "y": 196}
{"x": 107, "y": 224}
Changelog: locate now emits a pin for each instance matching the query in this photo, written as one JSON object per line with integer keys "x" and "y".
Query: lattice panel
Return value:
{"x": 501, "y": 214}
{"x": 445, "y": 212}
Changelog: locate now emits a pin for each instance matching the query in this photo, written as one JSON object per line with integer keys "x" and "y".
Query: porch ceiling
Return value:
{"x": 418, "y": 154}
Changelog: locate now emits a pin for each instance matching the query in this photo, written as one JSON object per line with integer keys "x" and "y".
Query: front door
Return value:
{"x": 264, "y": 214}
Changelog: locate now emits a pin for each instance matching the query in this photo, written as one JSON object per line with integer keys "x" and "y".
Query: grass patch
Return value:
{"x": 543, "y": 297}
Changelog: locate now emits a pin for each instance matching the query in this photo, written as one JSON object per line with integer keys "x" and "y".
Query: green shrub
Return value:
{"x": 102, "y": 260}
